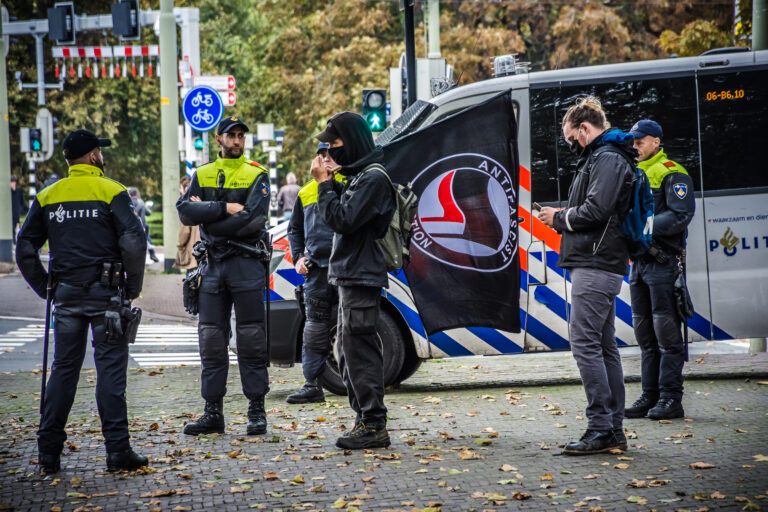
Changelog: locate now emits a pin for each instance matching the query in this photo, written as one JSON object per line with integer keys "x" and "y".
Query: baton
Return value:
{"x": 269, "y": 300}
{"x": 48, "y": 300}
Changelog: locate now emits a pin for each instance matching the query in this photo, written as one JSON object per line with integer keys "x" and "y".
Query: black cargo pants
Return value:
{"x": 237, "y": 280}
{"x": 77, "y": 309}
{"x": 657, "y": 327}
{"x": 321, "y": 304}
{"x": 362, "y": 363}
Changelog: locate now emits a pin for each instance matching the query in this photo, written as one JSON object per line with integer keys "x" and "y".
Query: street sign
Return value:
{"x": 202, "y": 108}
{"x": 218, "y": 82}
{"x": 229, "y": 98}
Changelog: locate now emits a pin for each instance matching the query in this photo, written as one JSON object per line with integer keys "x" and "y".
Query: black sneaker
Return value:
{"x": 211, "y": 422}
{"x": 365, "y": 436}
{"x": 49, "y": 463}
{"x": 640, "y": 408}
{"x": 621, "y": 437}
{"x": 307, "y": 394}
{"x": 257, "y": 417}
{"x": 593, "y": 441}
{"x": 348, "y": 433}
{"x": 125, "y": 461}
{"x": 667, "y": 409}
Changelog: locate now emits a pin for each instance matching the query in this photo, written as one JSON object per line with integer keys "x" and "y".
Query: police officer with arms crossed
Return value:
{"x": 651, "y": 280}
{"x": 90, "y": 226}
{"x": 311, "y": 240}
{"x": 229, "y": 199}
{"x": 359, "y": 212}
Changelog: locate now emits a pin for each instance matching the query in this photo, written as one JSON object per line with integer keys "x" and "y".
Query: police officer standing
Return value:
{"x": 229, "y": 199}
{"x": 359, "y": 213}
{"x": 311, "y": 241}
{"x": 654, "y": 313}
{"x": 97, "y": 247}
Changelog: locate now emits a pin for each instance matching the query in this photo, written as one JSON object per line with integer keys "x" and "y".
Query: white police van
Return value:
{"x": 714, "y": 113}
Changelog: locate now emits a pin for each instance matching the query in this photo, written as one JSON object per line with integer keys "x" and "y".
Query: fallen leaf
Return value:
{"x": 73, "y": 447}
{"x": 717, "y": 495}
{"x": 153, "y": 426}
{"x": 507, "y": 467}
{"x": 158, "y": 493}
{"x": 592, "y": 476}
{"x": 179, "y": 508}
{"x": 658, "y": 483}
{"x": 547, "y": 476}
{"x": 339, "y": 503}
{"x": 507, "y": 482}
{"x": 519, "y": 495}
{"x": 637, "y": 499}
{"x": 298, "y": 479}
{"x": 622, "y": 465}
{"x": 760, "y": 457}
{"x": 701, "y": 465}
{"x": 369, "y": 479}
{"x": 236, "y": 490}
{"x": 234, "y": 453}
{"x": 271, "y": 475}
{"x": 637, "y": 483}
{"x": 318, "y": 488}
{"x": 469, "y": 455}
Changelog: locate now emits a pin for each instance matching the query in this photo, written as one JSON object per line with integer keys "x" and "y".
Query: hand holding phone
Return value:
{"x": 537, "y": 207}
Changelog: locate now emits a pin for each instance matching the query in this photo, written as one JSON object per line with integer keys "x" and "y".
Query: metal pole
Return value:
{"x": 169, "y": 123}
{"x": 434, "y": 29}
{"x": 273, "y": 213}
{"x": 6, "y": 231}
{"x": 760, "y": 30}
{"x": 410, "y": 52}
{"x": 40, "y": 69}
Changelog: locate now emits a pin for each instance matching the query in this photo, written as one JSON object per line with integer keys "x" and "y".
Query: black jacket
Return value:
{"x": 227, "y": 180}
{"x": 88, "y": 220}
{"x": 597, "y": 201}
{"x": 358, "y": 212}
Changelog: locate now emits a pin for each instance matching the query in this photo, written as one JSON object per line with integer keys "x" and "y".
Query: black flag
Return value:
{"x": 465, "y": 268}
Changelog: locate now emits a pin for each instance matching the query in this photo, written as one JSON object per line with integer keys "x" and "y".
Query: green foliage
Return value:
{"x": 299, "y": 62}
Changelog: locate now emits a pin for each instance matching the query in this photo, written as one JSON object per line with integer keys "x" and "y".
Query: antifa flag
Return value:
{"x": 465, "y": 267}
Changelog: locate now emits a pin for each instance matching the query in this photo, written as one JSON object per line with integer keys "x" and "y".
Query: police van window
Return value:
{"x": 669, "y": 101}
{"x": 734, "y": 127}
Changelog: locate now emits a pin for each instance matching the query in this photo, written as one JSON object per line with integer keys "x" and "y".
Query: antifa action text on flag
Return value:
{"x": 465, "y": 267}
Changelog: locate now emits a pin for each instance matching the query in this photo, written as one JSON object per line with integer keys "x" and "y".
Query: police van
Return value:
{"x": 714, "y": 113}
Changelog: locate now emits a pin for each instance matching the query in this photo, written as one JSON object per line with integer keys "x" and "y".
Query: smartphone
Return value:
{"x": 537, "y": 207}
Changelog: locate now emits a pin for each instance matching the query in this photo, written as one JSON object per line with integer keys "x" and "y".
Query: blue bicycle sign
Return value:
{"x": 203, "y": 108}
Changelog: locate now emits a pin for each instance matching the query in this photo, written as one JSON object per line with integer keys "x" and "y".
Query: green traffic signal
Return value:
{"x": 199, "y": 144}
{"x": 36, "y": 146}
{"x": 375, "y": 109}
{"x": 374, "y": 122}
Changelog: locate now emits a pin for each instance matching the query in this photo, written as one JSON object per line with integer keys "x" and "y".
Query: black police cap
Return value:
{"x": 228, "y": 123}
{"x": 80, "y": 142}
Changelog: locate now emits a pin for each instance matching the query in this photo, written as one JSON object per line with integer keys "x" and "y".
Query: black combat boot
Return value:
{"x": 621, "y": 437}
{"x": 49, "y": 463}
{"x": 641, "y": 407}
{"x": 593, "y": 441}
{"x": 667, "y": 409}
{"x": 257, "y": 417}
{"x": 311, "y": 392}
{"x": 365, "y": 436}
{"x": 211, "y": 422}
{"x": 125, "y": 461}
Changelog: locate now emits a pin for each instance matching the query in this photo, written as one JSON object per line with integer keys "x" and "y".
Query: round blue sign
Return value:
{"x": 203, "y": 108}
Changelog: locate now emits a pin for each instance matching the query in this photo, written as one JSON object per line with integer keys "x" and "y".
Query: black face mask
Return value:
{"x": 339, "y": 155}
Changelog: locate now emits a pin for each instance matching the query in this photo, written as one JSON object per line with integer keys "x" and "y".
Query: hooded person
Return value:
{"x": 358, "y": 212}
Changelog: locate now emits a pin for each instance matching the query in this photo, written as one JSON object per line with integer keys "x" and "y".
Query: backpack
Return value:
{"x": 637, "y": 223}
{"x": 396, "y": 240}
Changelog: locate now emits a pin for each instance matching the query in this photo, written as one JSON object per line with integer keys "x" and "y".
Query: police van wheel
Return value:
{"x": 394, "y": 354}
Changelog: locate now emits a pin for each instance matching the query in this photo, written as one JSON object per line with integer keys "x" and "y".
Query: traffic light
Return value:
{"x": 61, "y": 23}
{"x": 375, "y": 108}
{"x": 197, "y": 139}
{"x": 35, "y": 139}
{"x": 125, "y": 19}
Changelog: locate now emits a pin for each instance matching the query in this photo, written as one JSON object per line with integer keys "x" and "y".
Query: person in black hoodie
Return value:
{"x": 595, "y": 252}
{"x": 359, "y": 213}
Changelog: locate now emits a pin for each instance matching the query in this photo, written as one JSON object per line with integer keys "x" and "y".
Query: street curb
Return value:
{"x": 562, "y": 381}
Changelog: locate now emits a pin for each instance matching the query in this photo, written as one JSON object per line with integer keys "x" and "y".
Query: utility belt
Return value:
{"x": 122, "y": 321}
{"x": 657, "y": 253}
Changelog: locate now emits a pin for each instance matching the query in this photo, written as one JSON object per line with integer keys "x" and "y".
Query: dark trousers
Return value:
{"x": 240, "y": 281}
{"x": 321, "y": 300}
{"x": 77, "y": 309}
{"x": 593, "y": 344}
{"x": 362, "y": 359}
{"x": 657, "y": 328}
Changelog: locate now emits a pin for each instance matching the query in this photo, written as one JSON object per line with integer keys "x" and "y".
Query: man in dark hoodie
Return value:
{"x": 359, "y": 213}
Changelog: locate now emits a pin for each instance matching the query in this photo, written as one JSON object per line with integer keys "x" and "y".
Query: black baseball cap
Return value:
{"x": 80, "y": 142}
{"x": 228, "y": 123}
{"x": 330, "y": 133}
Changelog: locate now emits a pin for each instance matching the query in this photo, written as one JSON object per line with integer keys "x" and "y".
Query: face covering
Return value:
{"x": 339, "y": 155}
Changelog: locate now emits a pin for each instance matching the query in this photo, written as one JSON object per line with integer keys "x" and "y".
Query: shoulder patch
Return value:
{"x": 669, "y": 163}
{"x": 257, "y": 164}
{"x": 264, "y": 188}
{"x": 681, "y": 190}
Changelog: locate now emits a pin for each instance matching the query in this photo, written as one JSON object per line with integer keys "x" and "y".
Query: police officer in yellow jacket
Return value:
{"x": 229, "y": 199}
{"x": 90, "y": 226}
{"x": 655, "y": 319}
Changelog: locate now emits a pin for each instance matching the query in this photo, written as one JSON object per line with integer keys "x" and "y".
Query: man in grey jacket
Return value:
{"x": 595, "y": 252}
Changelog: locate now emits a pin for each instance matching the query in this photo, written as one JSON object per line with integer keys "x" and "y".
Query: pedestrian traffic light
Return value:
{"x": 35, "y": 139}
{"x": 61, "y": 23}
{"x": 125, "y": 19}
{"x": 197, "y": 139}
{"x": 375, "y": 108}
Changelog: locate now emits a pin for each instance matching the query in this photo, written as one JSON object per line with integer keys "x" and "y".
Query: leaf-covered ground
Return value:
{"x": 484, "y": 448}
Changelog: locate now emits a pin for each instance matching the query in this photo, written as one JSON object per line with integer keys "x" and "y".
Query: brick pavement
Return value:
{"x": 454, "y": 448}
